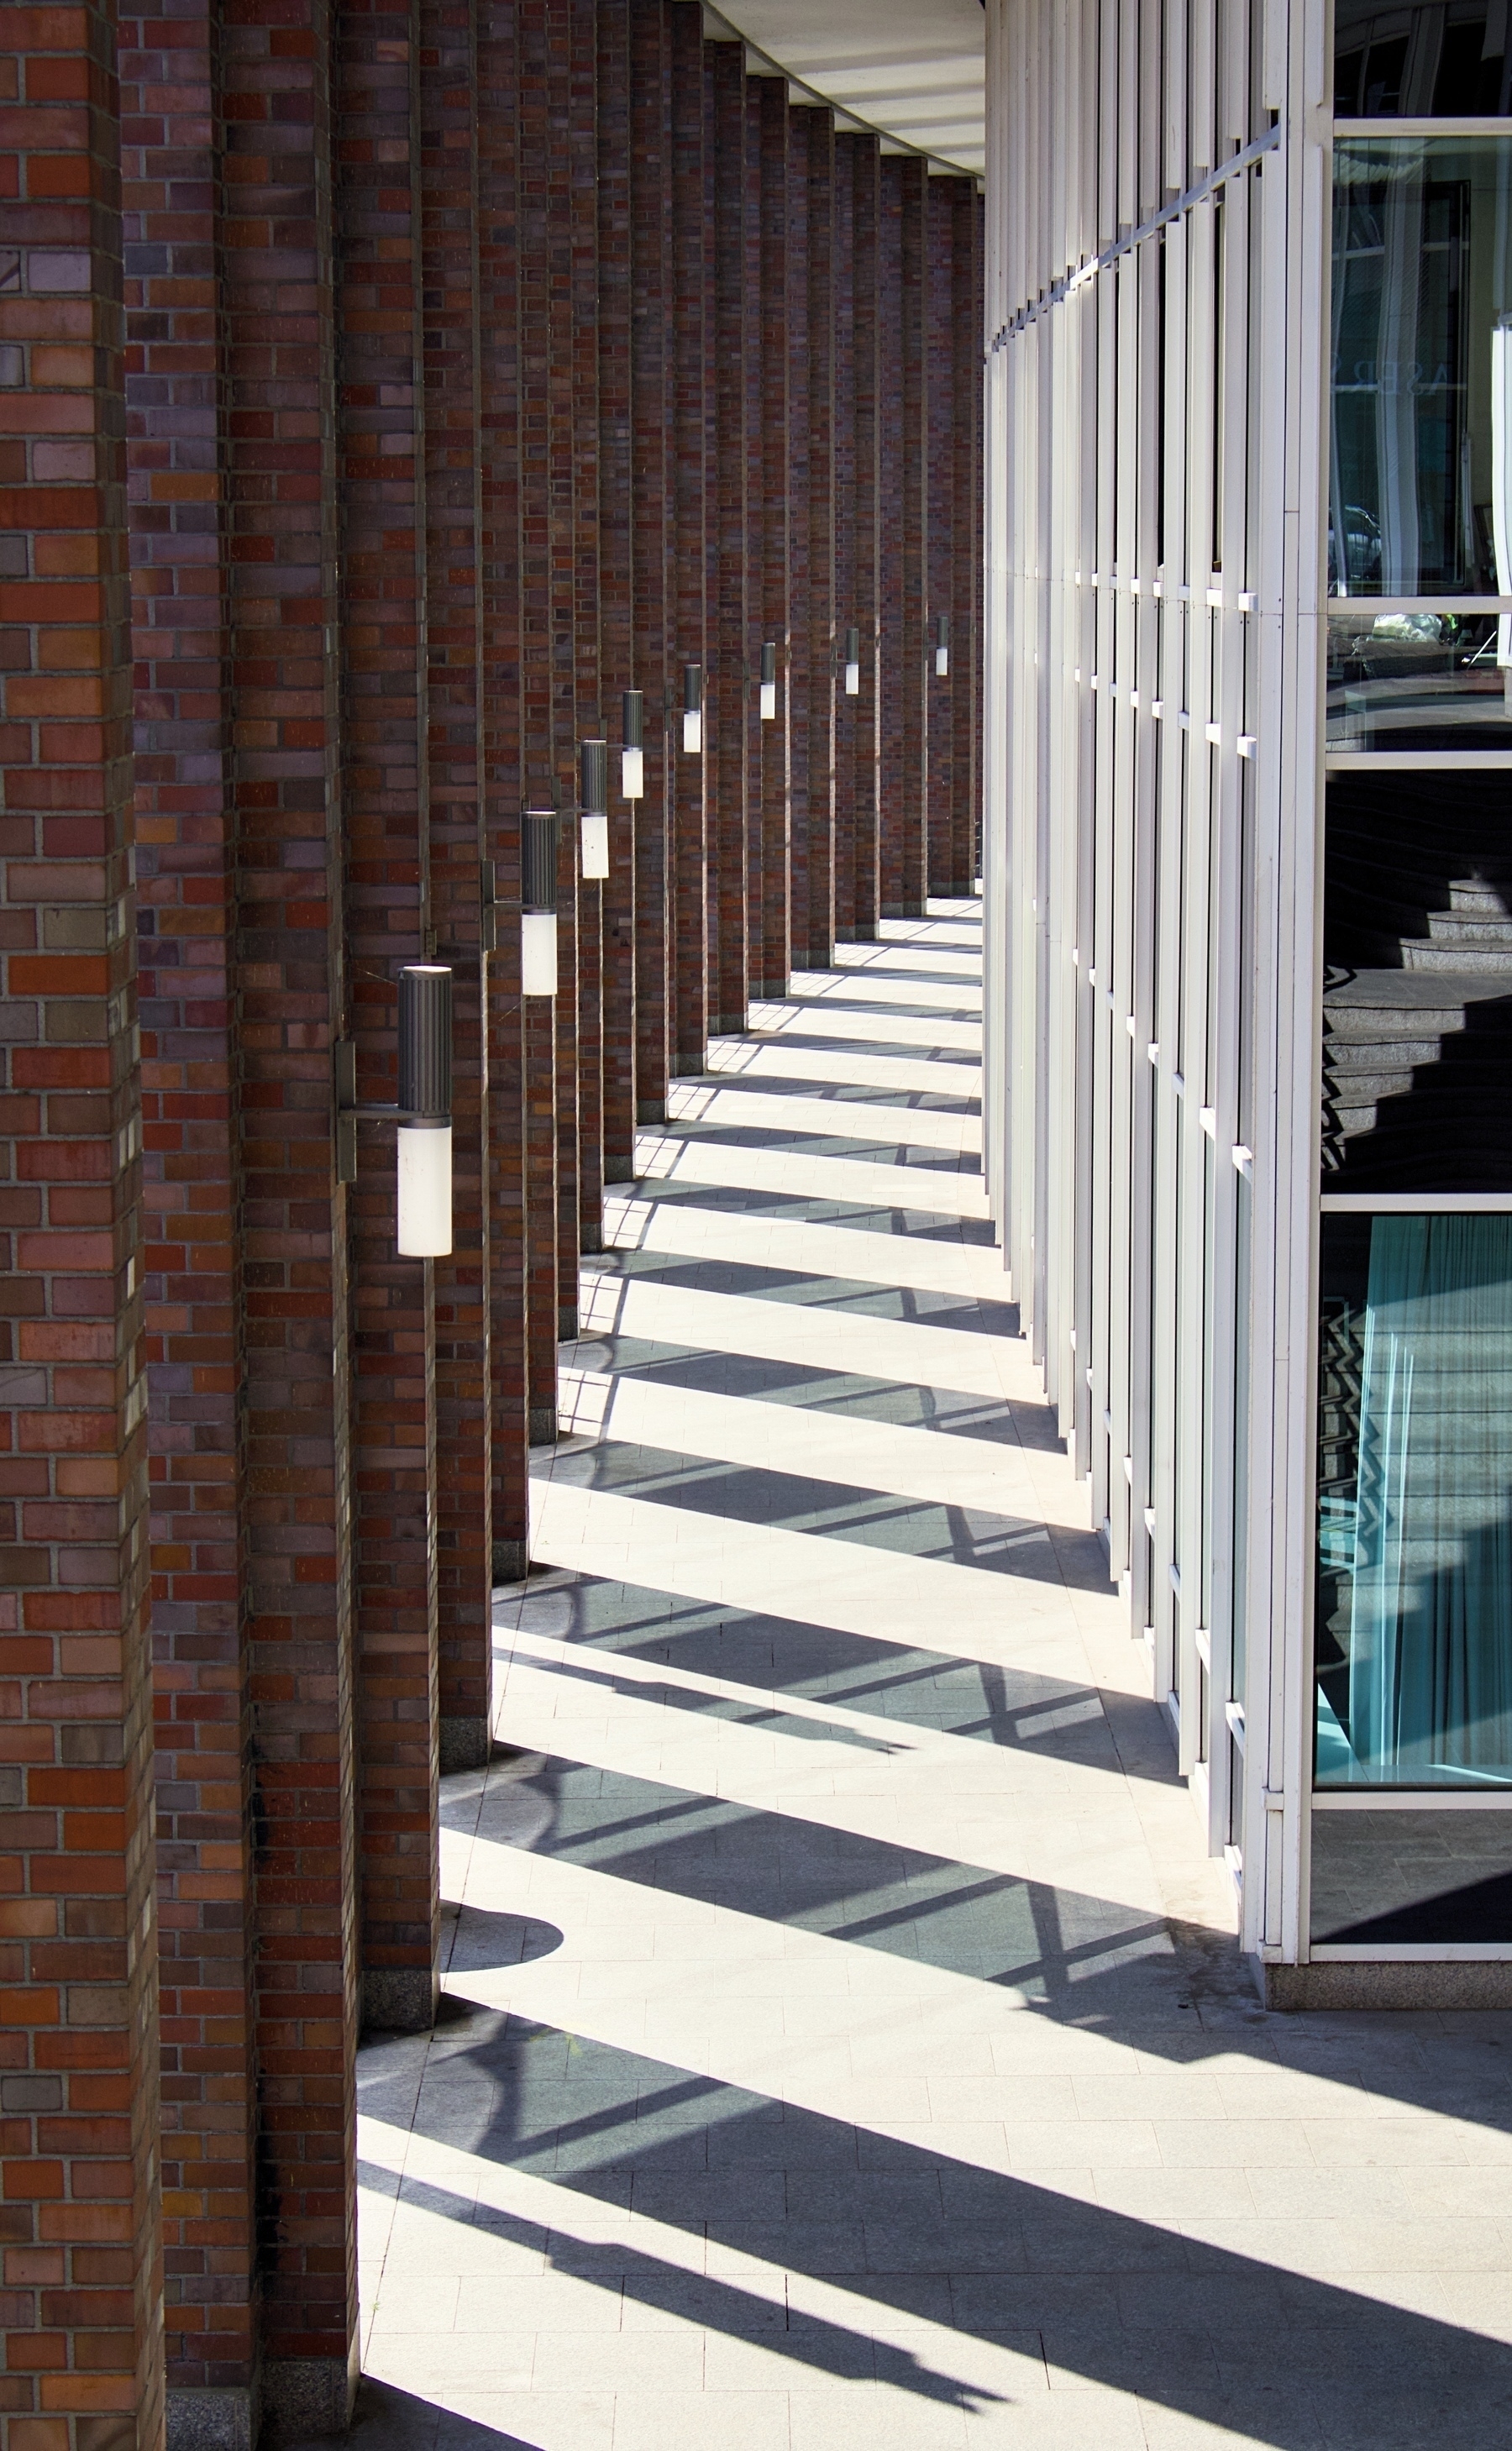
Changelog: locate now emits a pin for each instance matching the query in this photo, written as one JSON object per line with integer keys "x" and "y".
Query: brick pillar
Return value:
{"x": 79, "y": 2052}
{"x": 548, "y": 630}
{"x": 966, "y": 510}
{"x": 582, "y": 169}
{"x": 819, "y": 416}
{"x": 194, "y": 1288}
{"x": 453, "y": 441}
{"x": 843, "y": 495}
{"x": 732, "y": 764}
{"x": 797, "y": 612}
{"x": 874, "y": 586}
{"x": 618, "y": 479}
{"x": 772, "y": 359}
{"x": 653, "y": 382}
{"x": 904, "y": 816}
{"x": 939, "y": 595}
{"x": 693, "y": 533}
{"x": 518, "y": 1232}
{"x": 385, "y": 795}
{"x": 278, "y": 322}
{"x": 891, "y": 516}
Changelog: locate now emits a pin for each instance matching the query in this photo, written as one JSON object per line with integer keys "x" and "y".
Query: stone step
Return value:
{"x": 1458, "y": 928}
{"x": 1473, "y": 893}
{"x": 1421, "y": 953}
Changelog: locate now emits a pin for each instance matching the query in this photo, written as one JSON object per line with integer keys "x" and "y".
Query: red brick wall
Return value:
{"x": 463, "y": 362}
{"x": 78, "y": 1999}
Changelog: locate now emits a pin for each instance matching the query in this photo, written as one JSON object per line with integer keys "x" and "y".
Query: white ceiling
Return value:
{"x": 910, "y": 69}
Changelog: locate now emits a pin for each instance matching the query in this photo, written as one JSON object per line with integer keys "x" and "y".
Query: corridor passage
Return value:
{"x": 844, "y": 2042}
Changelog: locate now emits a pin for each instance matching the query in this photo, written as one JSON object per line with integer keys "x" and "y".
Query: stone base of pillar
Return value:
{"x": 592, "y": 1239}
{"x": 511, "y": 1566}
{"x": 541, "y": 1427}
{"x": 689, "y": 1067}
{"x": 212, "y": 2421}
{"x": 776, "y": 991}
{"x": 902, "y": 911}
{"x": 399, "y": 1999}
{"x": 845, "y": 935}
{"x": 651, "y": 1111}
{"x": 728, "y": 1025}
{"x": 622, "y": 1169}
{"x": 566, "y": 1328}
{"x": 1394, "y": 1983}
{"x": 462, "y": 1744}
{"x": 307, "y": 2395}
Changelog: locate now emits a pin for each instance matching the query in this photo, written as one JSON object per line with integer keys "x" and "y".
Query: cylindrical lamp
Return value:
{"x": 632, "y": 756}
{"x": 424, "y": 1102}
{"x": 593, "y": 816}
{"x": 769, "y": 682}
{"x": 852, "y": 663}
{"x": 539, "y": 832}
{"x": 942, "y": 643}
{"x": 692, "y": 708}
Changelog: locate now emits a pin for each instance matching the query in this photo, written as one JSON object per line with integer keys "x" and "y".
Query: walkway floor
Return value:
{"x": 844, "y": 2040}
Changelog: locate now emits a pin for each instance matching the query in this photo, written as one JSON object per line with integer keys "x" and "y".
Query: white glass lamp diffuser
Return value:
{"x": 539, "y": 830}
{"x": 942, "y": 644}
{"x": 632, "y": 756}
{"x": 693, "y": 710}
{"x": 852, "y": 663}
{"x": 593, "y": 815}
{"x": 425, "y": 1111}
{"x": 769, "y": 682}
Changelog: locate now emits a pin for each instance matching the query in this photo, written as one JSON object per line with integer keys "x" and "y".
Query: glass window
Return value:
{"x": 1414, "y": 1619}
{"x": 1403, "y": 1876}
{"x": 1418, "y": 680}
{"x": 1443, "y": 59}
{"x": 1420, "y": 456}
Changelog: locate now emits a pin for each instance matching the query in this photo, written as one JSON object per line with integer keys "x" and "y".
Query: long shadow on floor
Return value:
{"x": 920, "y": 1688}
{"x": 1281, "y": 2359}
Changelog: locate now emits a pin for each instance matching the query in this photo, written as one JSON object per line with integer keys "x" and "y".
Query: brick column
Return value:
{"x": 805, "y": 683}
{"x": 693, "y": 532}
{"x": 582, "y": 169}
{"x": 79, "y": 2050}
{"x": 194, "y": 1276}
{"x": 279, "y": 327}
{"x": 653, "y": 385}
{"x": 890, "y": 511}
{"x": 966, "y": 512}
{"x": 618, "y": 479}
{"x": 454, "y": 451}
{"x": 385, "y": 795}
{"x": 875, "y": 585}
{"x": 820, "y": 416}
{"x": 779, "y": 510}
{"x": 843, "y": 498}
{"x": 939, "y": 595}
{"x": 734, "y": 752}
{"x": 904, "y": 820}
{"x": 516, "y": 1229}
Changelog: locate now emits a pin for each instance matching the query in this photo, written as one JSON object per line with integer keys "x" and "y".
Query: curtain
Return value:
{"x": 1431, "y": 1616}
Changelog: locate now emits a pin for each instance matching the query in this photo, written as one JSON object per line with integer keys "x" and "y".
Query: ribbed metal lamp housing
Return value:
{"x": 425, "y": 1040}
{"x": 539, "y": 830}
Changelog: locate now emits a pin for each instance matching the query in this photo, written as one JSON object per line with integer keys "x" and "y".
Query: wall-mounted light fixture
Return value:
{"x": 942, "y": 644}
{"x": 593, "y": 813}
{"x": 539, "y": 833}
{"x": 769, "y": 681}
{"x": 422, "y": 1114}
{"x": 852, "y": 663}
{"x": 632, "y": 756}
{"x": 692, "y": 708}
